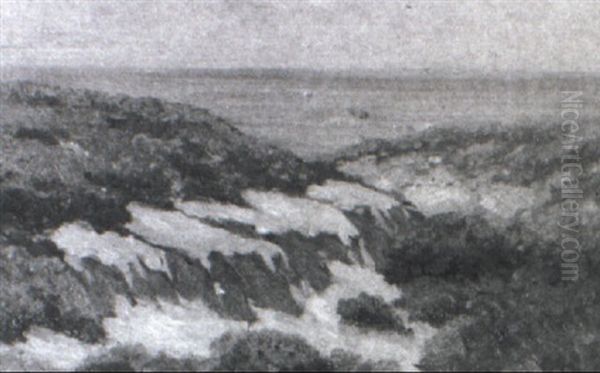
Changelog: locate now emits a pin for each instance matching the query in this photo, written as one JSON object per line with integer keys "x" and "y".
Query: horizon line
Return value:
{"x": 352, "y": 72}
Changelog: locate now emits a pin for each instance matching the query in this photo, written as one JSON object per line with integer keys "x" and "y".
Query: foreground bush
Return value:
{"x": 270, "y": 351}
{"x": 369, "y": 312}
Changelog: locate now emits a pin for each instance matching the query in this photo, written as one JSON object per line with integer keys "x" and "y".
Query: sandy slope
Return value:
{"x": 142, "y": 234}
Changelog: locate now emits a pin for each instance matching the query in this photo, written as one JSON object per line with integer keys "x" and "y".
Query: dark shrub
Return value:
{"x": 359, "y": 113}
{"x": 43, "y": 291}
{"x": 152, "y": 187}
{"x": 344, "y": 361}
{"x": 435, "y": 300}
{"x": 370, "y": 312}
{"x": 136, "y": 358}
{"x": 452, "y": 246}
{"x": 26, "y": 209}
{"x": 272, "y": 350}
{"x": 42, "y": 135}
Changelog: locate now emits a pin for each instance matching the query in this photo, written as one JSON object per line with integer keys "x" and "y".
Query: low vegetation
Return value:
{"x": 370, "y": 312}
{"x": 492, "y": 288}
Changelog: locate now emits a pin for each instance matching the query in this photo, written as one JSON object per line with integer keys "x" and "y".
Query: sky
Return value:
{"x": 382, "y": 35}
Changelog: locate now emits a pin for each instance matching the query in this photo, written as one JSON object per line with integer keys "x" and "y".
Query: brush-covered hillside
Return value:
{"x": 139, "y": 234}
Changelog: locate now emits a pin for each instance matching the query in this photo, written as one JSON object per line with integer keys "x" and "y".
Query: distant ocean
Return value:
{"x": 315, "y": 114}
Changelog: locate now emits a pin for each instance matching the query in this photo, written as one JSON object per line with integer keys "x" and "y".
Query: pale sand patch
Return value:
{"x": 347, "y": 196}
{"x": 218, "y": 211}
{"x": 435, "y": 188}
{"x": 391, "y": 175}
{"x": 274, "y": 212}
{"x": 180, "y": 331}
{"x": 433, "y": 199}
{"x": 439, "y": 191}
{"x": 174, "y": 229}
{"x": 79, "y": 242}
{"x": 283, "y": 213}
{"x": 506, "y": 200}
{"x": 45, "y": 350}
